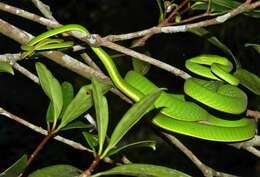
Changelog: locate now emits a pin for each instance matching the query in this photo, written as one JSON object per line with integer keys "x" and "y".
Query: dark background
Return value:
{"x": 22, "y": 97}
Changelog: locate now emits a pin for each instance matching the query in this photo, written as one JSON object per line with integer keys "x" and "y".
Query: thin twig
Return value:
{"x": 12, "y": 60}
{"x": 26, "y": 72}
{"x": 40, "y": 130}
{"x": 44, "y": 9}
{"x": 207, "y": 171}
{"x": 141, "y": 42}
{"x": 192, "y": 18}
{"x": 90, "y": 62}
{"x": 249, "y": 145}
{"x": 25, "y": 14}
{"x": 170, "y": 17}
{"x": 253, "y": 150}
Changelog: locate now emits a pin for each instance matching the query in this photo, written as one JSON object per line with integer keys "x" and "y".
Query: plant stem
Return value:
{"x": 91, "y": 168}
{"x": 39, "y": 148}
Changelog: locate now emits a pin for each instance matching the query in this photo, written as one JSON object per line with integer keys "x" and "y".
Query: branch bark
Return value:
{"x": 42, "y": 131}
{"x": 206, "y": 170}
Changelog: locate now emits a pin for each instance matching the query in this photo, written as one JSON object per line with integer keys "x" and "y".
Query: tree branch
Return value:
{"x": 40, "y": 130}
{"x": 206, "y": 170}
{"x": 184, "y": 28}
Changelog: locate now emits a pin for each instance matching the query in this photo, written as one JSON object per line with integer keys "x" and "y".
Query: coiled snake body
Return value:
{"x": 176, "y": 114}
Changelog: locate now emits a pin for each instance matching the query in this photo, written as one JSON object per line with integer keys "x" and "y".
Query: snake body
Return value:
{"x": 176, "y": 114}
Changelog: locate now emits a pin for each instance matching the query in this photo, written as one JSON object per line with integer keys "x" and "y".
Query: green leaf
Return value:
{"x": 92, "y": 140}
{"x": 162, "y": 14}
{"x": 248, "y": 80}
{"x": 6, "y": 67}
{"x": 68, "y": 94}
{"x": 148, "y": 143}
{"x": 17, "y": 168}
{"x": 101, "y": 109}
{"x": 213, "y": 40}
{"x": 223, "y": 6}
{"x": 142, "y": 170}
{"x": 57, "y": 171}
{"x": 50, "y": 113}
{"x": 76, "y": 125}
{"x": 51, "y": 88}
{"x": 255, "y": 46}
{"x": 131, "y": 117}
{"x": 80, "y": 104}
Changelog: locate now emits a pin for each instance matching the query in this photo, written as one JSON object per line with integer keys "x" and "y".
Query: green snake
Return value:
{"x": 176, "y": 114}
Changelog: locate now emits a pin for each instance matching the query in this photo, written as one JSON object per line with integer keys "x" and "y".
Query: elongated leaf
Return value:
{"x": 92, "y": 140}
{"x": 142, "y": 170}
{"x": 51, "y": 88}
{"x": 255, "y": 46}
{"x": 248, "y": 80}
{"x": 213, "y": 40}
{"x": 76, "y": 125}
{"x": 57, "y": 171}
{"x": 50, "y": 113}
{"x": 161, "y": 11}
{"x": 148, "y": 143}
{"x": 101, "y": 109}
{"x": 5, "y": 67}
{"x": 131, "y": 117}
{"x": 223, "y": 6}
{"x": 80, "y": 104}
{"x": 216, "y": 5}
{"x": 68, "y": 94}
{"x": 16, "y": 168}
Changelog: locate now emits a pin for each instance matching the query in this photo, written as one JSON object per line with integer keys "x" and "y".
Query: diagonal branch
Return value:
{"x": 206, "y": 170}
{"x": 184, "y": 28}
{"x": 42, "y": 131}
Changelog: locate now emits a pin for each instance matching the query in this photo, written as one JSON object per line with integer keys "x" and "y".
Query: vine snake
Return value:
{"x": 176, "y": 114}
